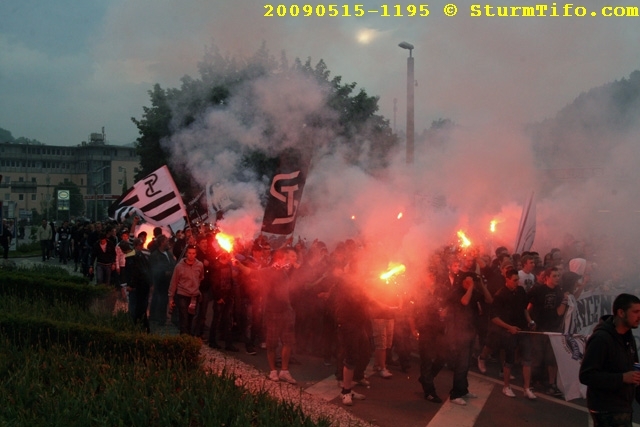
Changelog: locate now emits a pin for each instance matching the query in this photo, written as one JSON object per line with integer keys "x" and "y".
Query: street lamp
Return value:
{"x": 410, "y": 82}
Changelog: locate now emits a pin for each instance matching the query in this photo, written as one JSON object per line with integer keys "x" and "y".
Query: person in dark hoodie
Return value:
{"x": 608, "y": 365}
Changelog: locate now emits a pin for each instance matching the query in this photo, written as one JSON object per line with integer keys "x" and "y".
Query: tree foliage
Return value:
{"x": 366, "y": 137}
{"x": 76, "y": 201}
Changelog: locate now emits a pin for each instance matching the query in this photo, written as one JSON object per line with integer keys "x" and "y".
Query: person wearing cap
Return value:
{"x": 608, "y": 368}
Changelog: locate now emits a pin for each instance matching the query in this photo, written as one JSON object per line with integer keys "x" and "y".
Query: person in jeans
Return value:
{"x": 44, "y": 234}
{"x": 461, "y": 331}
{"x": 184, "y": 291}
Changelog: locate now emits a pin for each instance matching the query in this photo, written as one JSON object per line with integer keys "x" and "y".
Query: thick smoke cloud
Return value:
{"x": 478, "y": 175}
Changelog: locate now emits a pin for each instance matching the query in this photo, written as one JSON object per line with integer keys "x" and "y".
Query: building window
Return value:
{"x": 33, "y": 179}
{"x": 119, "y": 182}
{"x": 7, "y": 196}
{"x": 33, "y": 197}
{"x": 20, "y": 196}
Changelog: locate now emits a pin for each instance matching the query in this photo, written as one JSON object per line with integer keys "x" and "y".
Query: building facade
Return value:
{"x": 32, "y": 173}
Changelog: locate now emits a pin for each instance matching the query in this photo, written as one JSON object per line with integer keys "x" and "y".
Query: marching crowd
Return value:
{"x": 461, "y": 307}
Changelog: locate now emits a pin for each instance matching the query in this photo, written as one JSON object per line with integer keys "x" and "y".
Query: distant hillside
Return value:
{"x": 7, "y": 137}
{"x": 584, "y": 132}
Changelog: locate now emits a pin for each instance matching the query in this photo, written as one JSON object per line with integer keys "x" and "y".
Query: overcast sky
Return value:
{"x": 69, "y": 67}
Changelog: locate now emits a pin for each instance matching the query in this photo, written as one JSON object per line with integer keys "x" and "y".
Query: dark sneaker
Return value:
{"x": 251, "y": 350}
{"x": 432, "y": 397}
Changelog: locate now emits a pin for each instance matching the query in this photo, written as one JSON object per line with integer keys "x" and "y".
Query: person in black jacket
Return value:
{"x": 608, "y": 365}
{"x": 137, "y": 274}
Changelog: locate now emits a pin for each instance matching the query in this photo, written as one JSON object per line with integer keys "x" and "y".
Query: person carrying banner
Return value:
{"x": 547, "y": 305}
{"x": 509, "y": 315}
{"x": 608, "y": 368}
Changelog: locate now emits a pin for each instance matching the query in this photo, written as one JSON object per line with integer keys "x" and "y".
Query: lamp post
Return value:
{"x": 410, "y": 102}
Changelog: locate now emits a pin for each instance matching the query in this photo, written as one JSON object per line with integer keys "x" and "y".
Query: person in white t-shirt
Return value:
{"x": 526, "y": 279}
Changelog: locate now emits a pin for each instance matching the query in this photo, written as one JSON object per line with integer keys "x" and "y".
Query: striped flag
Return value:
{"x": 527, "y": 228}
{"x": 155, "y": 198}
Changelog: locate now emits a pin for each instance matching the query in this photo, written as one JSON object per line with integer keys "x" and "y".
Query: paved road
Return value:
{"x": 399, "y": 402}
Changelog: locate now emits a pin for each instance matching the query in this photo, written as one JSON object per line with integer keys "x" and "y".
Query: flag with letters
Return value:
{"x": 285, "y": 193}
{"x": 155, "y": 198}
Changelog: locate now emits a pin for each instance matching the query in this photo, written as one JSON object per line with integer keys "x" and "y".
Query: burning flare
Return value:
{"x": 398, "y": 269}
{"x": 464, "y": 241}
{"x": 225, "y": 241}
{"x": 492, "y": 225}
{"x": 400, "y": 215}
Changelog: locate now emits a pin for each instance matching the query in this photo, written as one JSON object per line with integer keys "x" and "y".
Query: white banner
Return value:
{"x": 581, "y": 317}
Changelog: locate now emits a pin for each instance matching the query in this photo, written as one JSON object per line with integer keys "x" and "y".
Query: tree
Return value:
{"x": 367, "y": 137}
{"x": 76, "y": 201}
{"x": 5, "y": 136}
{"x": 153, "y": 127}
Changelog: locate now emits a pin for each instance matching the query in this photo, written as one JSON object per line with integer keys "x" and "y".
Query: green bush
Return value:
{"x": 39, "y": 285}
{"x": 59, "y": 387}
{"x": 63, "y": 365}
{"x": 31, "y": 248}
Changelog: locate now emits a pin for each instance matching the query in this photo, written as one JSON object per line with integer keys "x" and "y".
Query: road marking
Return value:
{"x": 451, "y": 414}
{"x": 326, "y": 389}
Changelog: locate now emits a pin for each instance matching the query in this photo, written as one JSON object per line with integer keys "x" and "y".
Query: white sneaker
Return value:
{"x": 508, "y": 392}
{"x": 357, "y": 396}
{"x": 471, "y": 396}
{"x": 458, "y": 401}
{"x": 384, "y": 373}
{"x": 286, "y": 376}
{"x": 273, "y": 376}
{"x": 347, "y": 399}
{"x": 528, "y": 393}
{"x": 482, "y": 366}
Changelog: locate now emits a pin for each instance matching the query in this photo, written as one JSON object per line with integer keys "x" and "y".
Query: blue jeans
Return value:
{"x": 461, "y": 349}
{"x": 185, "y": 319}
{"x": 103, "y": 274}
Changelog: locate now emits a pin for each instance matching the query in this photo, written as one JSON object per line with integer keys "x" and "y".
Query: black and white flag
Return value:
{"x": 285, "y": 193}
{"x": 155, "y": 198}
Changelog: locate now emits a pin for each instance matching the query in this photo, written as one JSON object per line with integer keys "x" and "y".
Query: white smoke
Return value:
{"x": 478, "y": 175}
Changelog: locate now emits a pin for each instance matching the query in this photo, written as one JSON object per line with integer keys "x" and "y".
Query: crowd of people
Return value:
{"x": 460, "y": 308}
